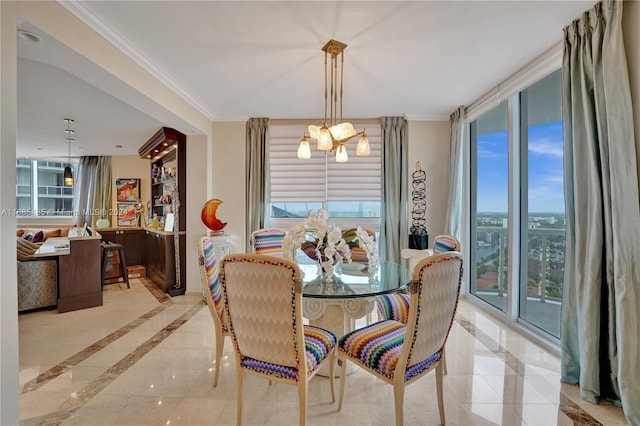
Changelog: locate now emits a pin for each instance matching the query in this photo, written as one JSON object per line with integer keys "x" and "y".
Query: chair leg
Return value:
{"x": 219, "y": 347}
{"x": 398, "y": 398}
{"x": 332, "y": 371}
{"x": 239, "y": 411}
{"x": 342, "y": 362}
{"x": 302, "y": 397}
{"x": 439, "y": 374}
{"x": 443, "y": 359}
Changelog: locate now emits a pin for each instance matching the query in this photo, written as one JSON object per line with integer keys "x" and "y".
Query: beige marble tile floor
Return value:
{"x": 147, "y": 359}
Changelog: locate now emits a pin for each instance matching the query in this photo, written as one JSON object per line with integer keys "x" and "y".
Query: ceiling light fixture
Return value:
{"x": 334, "y": 133}
{"x": 68, "y": 175}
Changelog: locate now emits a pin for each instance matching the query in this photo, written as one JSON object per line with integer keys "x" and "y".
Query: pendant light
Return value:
{"x": 68, "y": 174}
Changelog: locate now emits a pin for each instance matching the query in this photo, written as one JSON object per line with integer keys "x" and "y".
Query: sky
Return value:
{"x": 546, "y": 181}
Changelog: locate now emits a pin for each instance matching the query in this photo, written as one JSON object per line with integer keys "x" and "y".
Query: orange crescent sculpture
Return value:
{"x": 208, "y": 215}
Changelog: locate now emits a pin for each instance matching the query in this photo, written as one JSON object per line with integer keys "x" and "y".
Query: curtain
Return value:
{"x": 92, "y": 190}
{"x": 394, "y": 228}
{"x": 600, "y": 309}
{"x": 256, "y": 175}
{"x": 453, "y": 217}
{"x": 103, "y": 184}
{"x": 84, "y": 189}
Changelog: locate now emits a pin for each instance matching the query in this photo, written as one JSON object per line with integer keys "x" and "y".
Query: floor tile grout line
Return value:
{"x": 68, "y": 407}
{"x": 62, "y": 367}
{"x": 565, "y": 405}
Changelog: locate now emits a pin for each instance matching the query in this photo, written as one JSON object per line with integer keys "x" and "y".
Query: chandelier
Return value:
{"x": 333, "y": 133}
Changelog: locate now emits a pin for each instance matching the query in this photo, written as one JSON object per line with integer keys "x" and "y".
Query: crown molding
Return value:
{"x": 81, "y": 12}
{"x": 416, "y": 117}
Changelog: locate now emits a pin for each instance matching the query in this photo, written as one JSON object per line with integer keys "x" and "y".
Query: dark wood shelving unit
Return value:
{"x": 167, "y": 152}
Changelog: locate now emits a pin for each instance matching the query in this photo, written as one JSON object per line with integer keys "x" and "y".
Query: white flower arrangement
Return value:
{"x": 326, "y": 243}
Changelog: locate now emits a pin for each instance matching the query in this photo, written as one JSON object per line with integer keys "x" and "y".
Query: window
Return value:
{"x": 517, "y": 206}
{"x": 350, "y": 192}
{"x": 40, "y": 188}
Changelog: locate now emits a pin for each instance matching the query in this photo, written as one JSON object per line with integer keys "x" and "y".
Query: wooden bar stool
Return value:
{"x": 109, "y": 248}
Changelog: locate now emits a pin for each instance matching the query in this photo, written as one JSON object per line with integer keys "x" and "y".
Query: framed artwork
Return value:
{"x": 127, "y": 190}
{"x": 127, "y": 215}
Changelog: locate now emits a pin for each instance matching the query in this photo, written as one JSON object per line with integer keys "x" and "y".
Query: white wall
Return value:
{"x": 229, "y": 179}
{"x": 429, "y": 143}
{"x": 197, "y": 160}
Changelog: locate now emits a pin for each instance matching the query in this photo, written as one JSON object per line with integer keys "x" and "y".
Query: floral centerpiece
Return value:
{"x": 326, "y": 243}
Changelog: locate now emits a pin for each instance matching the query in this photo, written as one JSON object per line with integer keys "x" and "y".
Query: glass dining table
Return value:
{"x": 349, "y": 294}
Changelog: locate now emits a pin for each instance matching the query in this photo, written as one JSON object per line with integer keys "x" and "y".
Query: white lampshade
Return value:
{"x": 314, "y": 131}
{"x": 304, "y": 152}
{"x": 341, "y": 155}
{"x": 363, "y": 149}
{"x": 343, "y": 131}
{"x": 325, "y": 143}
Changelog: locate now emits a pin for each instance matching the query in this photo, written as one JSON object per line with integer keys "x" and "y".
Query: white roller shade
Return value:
{"x": 321, "y": 178}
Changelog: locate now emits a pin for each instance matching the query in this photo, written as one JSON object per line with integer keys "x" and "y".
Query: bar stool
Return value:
{"x": 109, "y": 248}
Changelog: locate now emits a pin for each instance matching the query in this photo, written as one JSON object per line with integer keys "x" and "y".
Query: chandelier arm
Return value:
{"x": 341, "y": 81}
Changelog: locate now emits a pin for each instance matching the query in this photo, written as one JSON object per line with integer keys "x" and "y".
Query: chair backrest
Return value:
{"x": 263, "y": 301}
{"x": 445, "y": 243}
{"x": 358, "y": 254}
{"x": 434, "y": 292}
{"x": 267, "y": 241}
{"x": 209, "y": 278}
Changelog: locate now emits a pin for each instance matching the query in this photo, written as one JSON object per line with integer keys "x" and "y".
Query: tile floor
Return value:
{"x": 147, "y": 359}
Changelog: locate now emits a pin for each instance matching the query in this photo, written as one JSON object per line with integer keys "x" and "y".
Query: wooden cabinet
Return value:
{"x": 161, "y": 261}
{"x": 133, "y": 242}
{"x": 79, "y": 283}
{"x": 167, "y": 153}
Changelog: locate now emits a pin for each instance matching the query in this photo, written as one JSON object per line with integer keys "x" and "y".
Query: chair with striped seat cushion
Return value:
{"x": 263, "y": 301}
{"x": 267, "y": 241}
{"x": 445, "y": 243}
{"x": 358, "y": 254}
{"x": 401, "y": 353}
{"x": 396, "y": 306}
{"x": 212, "y": 293}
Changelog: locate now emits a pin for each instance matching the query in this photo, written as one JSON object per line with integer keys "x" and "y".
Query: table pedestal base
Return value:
{"x": 336, "y": 315}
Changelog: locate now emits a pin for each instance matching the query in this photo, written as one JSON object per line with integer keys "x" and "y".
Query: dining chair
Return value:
{"x": 267, "y": 241}
{"x": 263, "y": 301}
{"x": 401, "y": 353}
{"x": 396, "y": 305}
{"x": 212, "y": 293}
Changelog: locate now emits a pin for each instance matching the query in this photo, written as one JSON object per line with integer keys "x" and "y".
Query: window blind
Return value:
{"x": 320, "y": 178}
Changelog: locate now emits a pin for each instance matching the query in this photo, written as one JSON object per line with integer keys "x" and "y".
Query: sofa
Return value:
{"x": 37, "y": 278}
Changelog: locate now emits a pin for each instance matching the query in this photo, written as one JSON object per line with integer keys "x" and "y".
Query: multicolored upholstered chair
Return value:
{"x": 263, "y": 301}
{"x": 267, "y": 241}
{"x": 396, "y": 306}
{"x": 358, "y": 254}
{"x": 212, "y": 293}
{"x": 400, "y": 353}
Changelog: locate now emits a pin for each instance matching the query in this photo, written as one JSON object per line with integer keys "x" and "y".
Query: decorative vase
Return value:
{"x": 102, "y": 223}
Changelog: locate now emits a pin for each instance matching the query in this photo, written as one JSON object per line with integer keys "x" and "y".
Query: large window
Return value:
{"x": 517, "y": 206}
{"x": 40, "y": 188}
{"x": 350, "y": 192}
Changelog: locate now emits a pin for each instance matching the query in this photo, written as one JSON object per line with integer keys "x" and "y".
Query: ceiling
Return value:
{"x": 233, "y": 60}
